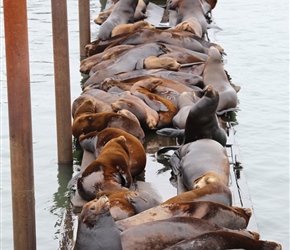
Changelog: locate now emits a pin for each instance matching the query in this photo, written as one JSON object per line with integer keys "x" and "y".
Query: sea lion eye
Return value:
{"x": 92, "y": 208}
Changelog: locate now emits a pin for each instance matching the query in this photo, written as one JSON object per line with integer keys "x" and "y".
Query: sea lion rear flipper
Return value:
{"x": 73, "y": 180}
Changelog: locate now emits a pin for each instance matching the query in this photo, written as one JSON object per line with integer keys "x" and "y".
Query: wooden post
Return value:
{"x": 20, "y": 129}
{"x": 84, "y": 26}
{"x": 62, "y": 80}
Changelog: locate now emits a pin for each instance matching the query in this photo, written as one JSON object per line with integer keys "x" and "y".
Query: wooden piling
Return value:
{"x": 20, "y": 128}
{"x": 84, "y": 26}
{"x": 62, "y": 80}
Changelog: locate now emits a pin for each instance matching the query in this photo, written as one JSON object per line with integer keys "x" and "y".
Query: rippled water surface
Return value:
{"x": 255, "y": 37}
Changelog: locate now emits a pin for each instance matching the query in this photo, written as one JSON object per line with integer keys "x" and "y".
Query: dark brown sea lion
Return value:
{"x": 224, "y": 216}
{"x": 224, "y": 240}
{"x": 110, "y": 171}
{"x": 95, "y": 141}
{"x": 125, "y": 62}
{"x": 123, "y": 12}
{"x": 202, "y": 121}
{"x": 215, "y": 75}
{"x": 160, "y": 234}
{"x": 86, "y": 123}
{"x": 96, "y": 227}
{"x": 204, "y": 156}
{"x": 215, "y": 191}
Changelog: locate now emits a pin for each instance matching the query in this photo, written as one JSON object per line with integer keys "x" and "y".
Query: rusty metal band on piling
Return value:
{"x": 84, "y": 26}
{"x": 62, "y": 80}
{"x": 20, "y": 128}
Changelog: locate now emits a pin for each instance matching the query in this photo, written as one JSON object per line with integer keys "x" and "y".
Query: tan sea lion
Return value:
{"x": 129, "y": 27}
{"x": 224, "y": 216}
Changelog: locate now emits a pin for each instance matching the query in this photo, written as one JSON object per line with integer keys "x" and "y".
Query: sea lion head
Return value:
{"x": 206, "y": 179}
{"x": 94, "y": 209}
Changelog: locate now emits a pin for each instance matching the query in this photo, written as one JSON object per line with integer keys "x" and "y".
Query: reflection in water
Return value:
{"x": 62, "y": 207}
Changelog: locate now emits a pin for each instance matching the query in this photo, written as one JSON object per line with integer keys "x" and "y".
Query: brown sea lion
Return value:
{"x": 88, "y": 104}
{"x": 204, "y": 156}
{"x": 123, "y": 12}
{"x": 109, "y": 171}
{"x": 215, "y": 75}
{"x": 224, "y": 216}
{"x": 165, "y": 108}
{"x": 224, "y": 240}
{"x": 95, "y": 141}
{"x": 147, "y": 116}
{"x": 215, "y": 191}
{"x": 96, "y": 227}
{"x": 86, "y": 123}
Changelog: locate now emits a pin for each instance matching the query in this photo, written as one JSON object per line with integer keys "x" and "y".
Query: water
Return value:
{"x": 256, "y": 40}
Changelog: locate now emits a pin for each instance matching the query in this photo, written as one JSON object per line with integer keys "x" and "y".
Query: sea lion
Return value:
{"x": 185, "y": 101}
{"x": 129, "y": 27}
{"x": 204, "y": 156}
{"x": 123, "y": 12}
{"x": 202, "y": 121}
{"x": 224, "y": 240}
{"x": 89, "y": 62}
{"x": 160, "y": 234}
{"x": 96, "y": 140}
{"x": 126, "y": 203}
{"x": 188, "y": 9}
{"x": 165, "y": 108}
{"x": 103, "y": 16}
{"x": 96, "y": 227}
{"x": 154, "y": 62}
{"x": 88, "y": 104}
{"x": 125, "y": 62}
{"x": 224, "y": 216}
{"x": 215, "y": 75}
{"x": 109, "y": 171}
{"x": 215, "y": 191}
{"x": 86, "y": 123}
{"x": 192, "y": 25}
